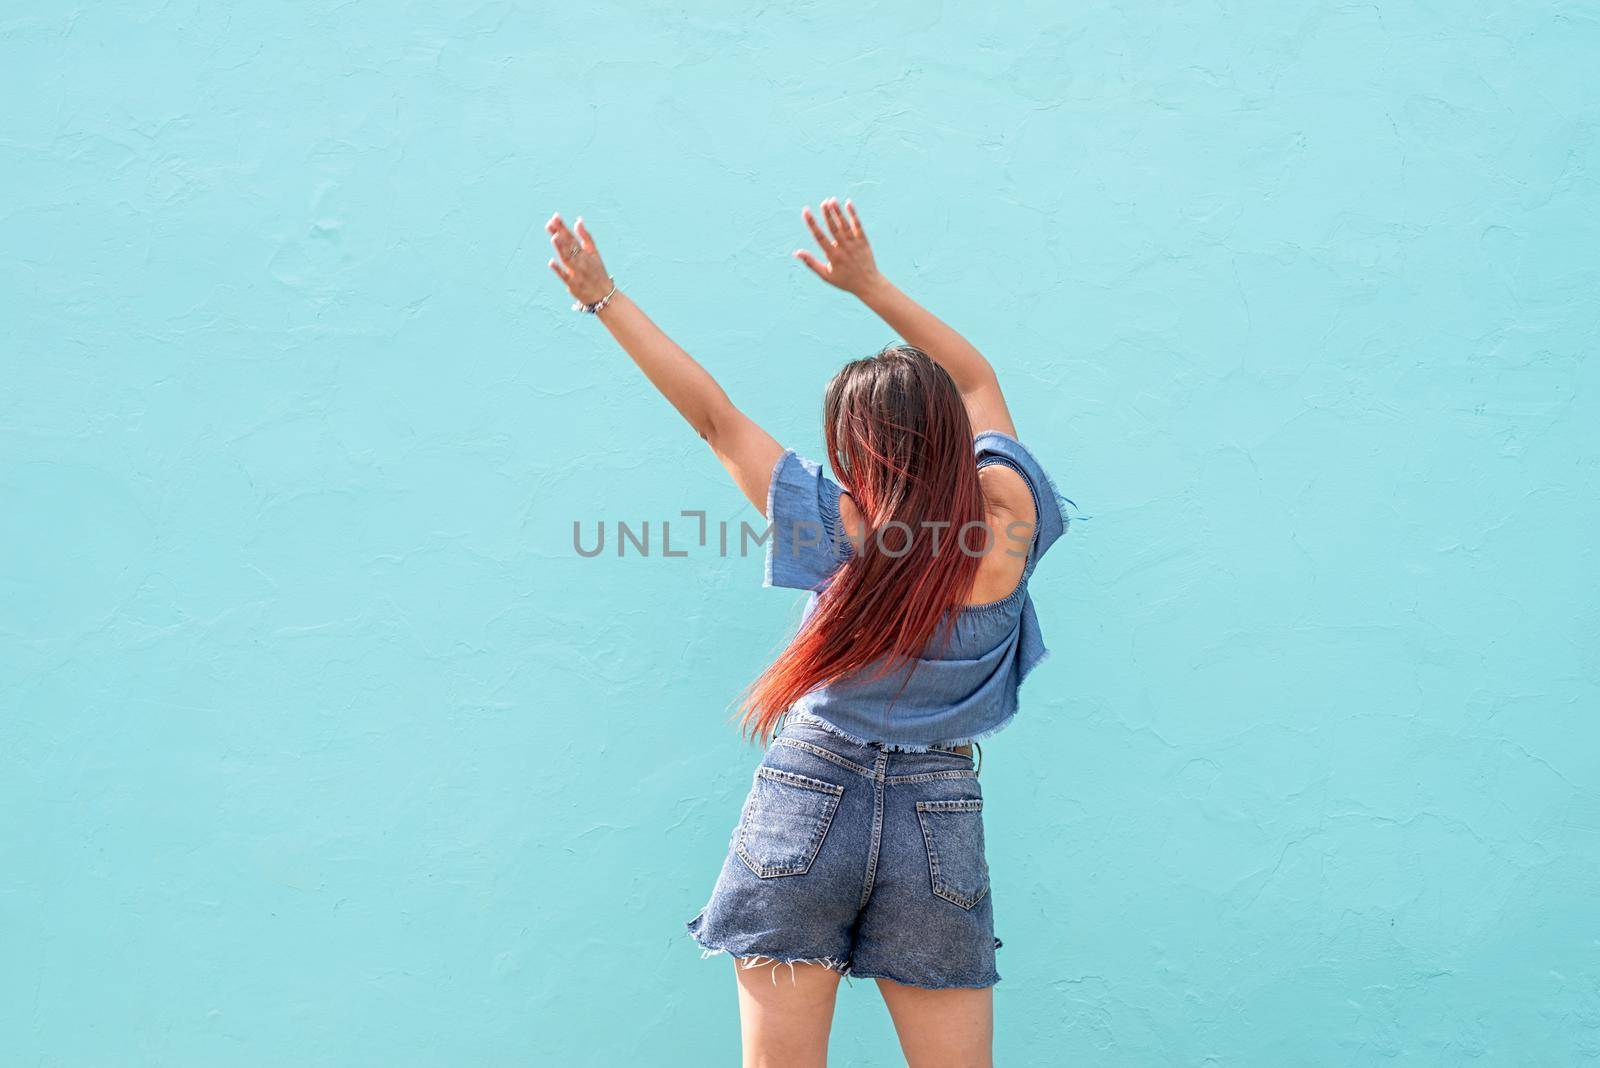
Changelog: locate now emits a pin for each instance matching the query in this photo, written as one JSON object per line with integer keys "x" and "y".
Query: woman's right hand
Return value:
{"x": 850, "y": 265}
{"x": 577, "y": 261}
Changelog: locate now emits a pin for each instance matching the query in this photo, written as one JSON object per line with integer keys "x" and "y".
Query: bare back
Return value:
{"x": 1008, "y": 510}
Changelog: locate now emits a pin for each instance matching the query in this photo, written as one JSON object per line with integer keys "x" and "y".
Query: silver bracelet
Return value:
{"x": 580, "y": 306}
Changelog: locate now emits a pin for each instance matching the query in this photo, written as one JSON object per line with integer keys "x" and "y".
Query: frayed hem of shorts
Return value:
{"x": 751, "y": 959}
{"x": 976, "y": 984}
{"x": 761, "y": 960}
{"x": 911, "y": 747}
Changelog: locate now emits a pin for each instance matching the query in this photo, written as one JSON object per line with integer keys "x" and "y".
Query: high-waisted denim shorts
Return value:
{"x": 867, "y": 861}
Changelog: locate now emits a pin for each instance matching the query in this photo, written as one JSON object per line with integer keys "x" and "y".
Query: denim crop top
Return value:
{"x": 964, "y": 690}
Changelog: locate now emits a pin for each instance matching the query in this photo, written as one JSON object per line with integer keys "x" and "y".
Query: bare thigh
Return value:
{"x": 785, "y": 1013}
{"x": 942, "y": 1028}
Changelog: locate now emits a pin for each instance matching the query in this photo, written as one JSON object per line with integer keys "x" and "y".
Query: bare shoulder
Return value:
{"x": 1008, "y": 510}
{"x": 850, "y": 517}
{"x": 1005, "y": 493}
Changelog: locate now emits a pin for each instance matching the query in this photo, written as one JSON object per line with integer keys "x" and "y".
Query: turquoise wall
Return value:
{"x": 320, "y": 745}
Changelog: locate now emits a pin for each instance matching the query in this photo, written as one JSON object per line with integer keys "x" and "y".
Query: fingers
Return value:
{"x": 564, "y": 243}
{"x": 584, "y": 235}
{"x": 811, "y": 261}
{"x": 562, "y": 239}
{"x": 836, "y": 222}
{"x": 855, "y": 220}
{"x": 557, "y": 227}
{"x": 816, "y": 231}
{"x": 566, "y": 250}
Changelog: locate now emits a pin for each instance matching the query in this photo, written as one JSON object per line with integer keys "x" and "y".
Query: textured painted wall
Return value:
{"x": 320, "y": 745}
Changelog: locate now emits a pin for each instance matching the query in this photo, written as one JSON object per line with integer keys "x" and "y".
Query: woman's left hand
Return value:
{"x": 577, "y": 261}
{"x": 850, "y": 265}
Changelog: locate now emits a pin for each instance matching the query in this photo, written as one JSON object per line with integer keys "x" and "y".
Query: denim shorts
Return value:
{"x": 868, "y": 861}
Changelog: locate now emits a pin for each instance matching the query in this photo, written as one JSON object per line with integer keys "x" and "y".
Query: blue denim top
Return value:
{"x": 957, "y": 692}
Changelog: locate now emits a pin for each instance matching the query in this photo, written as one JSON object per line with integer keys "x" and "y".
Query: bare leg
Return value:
{"x": 785, "y": 1012}
{"x": 942, "y": 1028}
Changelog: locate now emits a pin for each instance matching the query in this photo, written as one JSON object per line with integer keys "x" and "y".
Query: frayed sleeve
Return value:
{"x": 806, "y": 540}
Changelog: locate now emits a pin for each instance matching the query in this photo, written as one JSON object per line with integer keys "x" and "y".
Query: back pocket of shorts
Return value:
{"x": 785, "y": 822}
{"x": 953, "y": 831}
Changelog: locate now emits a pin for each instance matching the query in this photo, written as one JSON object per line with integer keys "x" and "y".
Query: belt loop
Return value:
{"x": 977, "y": 767}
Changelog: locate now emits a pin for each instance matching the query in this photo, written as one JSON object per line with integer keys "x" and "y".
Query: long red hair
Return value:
{"x": 900, "y": 441}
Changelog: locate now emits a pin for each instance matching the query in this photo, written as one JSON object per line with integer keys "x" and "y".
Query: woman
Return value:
{"x": 860, "y": 847}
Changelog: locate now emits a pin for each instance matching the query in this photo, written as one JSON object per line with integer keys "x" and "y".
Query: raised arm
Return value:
{"x": 850, "y": 266}
{"x": 748, "y": 452}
